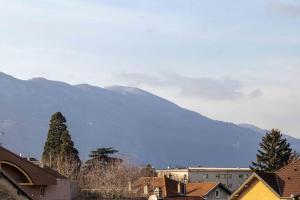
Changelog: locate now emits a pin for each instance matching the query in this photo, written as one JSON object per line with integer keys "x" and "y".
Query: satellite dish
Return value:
{"x": 152, "y": 197}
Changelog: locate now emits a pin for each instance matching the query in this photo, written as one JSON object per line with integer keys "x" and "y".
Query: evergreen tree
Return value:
{"x": 59, "y": 150}
{"x": 294, "y": 156}
{"x": 102, "y": 157}
{"x": 274, "y": 152}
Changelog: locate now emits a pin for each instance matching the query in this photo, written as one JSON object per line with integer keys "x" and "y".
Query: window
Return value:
{"x": 42, "y": 191}
{"x": 243, "y": 175}
{"x": 224, "y": 176}
{"x": 217, "y": 194}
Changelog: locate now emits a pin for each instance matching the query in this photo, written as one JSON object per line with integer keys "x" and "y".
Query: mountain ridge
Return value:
{"x": 144, "y": 127}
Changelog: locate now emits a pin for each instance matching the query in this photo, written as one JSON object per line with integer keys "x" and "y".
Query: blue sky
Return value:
{"x": 231, "y": 60}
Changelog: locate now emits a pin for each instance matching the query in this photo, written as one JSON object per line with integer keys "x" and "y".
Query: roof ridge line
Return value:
{"x": 36, "y": 166}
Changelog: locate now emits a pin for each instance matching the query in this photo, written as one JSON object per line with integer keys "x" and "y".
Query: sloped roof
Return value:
{"x": 38, "y": 175}
{"x": 167, "y": 185}
{"x": 271, "y": 180}
{"x": 284, "y": 182}
{"x": 288, "y": 179}
{"x": 203, "y": 189}
{"x": 12, "y": 182}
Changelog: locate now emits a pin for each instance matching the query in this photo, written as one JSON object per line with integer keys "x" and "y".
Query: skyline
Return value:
{"x": 231, "y": 61}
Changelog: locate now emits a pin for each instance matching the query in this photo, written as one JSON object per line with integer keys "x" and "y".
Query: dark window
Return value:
{"x": 42, "y": 191}
{"x": 217, "y": 193}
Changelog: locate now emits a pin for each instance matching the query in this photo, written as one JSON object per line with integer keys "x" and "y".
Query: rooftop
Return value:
{"x": 206, "y": 169}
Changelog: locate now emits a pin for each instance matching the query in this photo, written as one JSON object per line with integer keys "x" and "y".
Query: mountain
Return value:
{"x": 295, "y": 143}
{"x": 142, "y": 126}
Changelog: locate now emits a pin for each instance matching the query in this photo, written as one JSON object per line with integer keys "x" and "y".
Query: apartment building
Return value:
{"x": 230, "y": 177}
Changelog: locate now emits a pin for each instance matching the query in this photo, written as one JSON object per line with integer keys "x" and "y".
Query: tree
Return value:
{"x": 148, "y": 171}
{"x": 274, "y": 152}
{"x": 110, "y": 182}
{"x": 102, "y": 157}
{"x": 294, "y": 156}
{"x": 59, "y": 148}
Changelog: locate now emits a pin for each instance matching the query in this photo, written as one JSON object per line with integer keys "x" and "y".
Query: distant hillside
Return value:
{"x": 144, "y": 127}
{"x": 294, "y": 141}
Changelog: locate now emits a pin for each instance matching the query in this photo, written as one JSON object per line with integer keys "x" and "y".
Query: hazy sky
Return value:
{"x": 230, "y": 60}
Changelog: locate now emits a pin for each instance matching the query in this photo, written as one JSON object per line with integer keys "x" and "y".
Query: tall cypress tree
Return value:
{"x": 59, "y": 148}
{"x": 274, "y": 152}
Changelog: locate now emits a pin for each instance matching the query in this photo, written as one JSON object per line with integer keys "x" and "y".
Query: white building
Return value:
{"x": 231, "y": 177}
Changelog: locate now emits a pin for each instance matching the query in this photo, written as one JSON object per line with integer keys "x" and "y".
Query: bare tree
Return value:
{"x": 68, "y": 167}
{"x": 110, "y": 182}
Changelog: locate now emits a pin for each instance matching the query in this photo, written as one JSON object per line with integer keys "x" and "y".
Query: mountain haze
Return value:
{"x": 144, "y": 127}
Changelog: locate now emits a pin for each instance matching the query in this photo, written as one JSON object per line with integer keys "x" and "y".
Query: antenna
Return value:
{"x": 1, "y": 134}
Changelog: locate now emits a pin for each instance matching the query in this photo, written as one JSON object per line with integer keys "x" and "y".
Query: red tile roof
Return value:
{"x": 288, "y": 179}
{"x": 168, "y": 186}
{"x": 203, "y": 189}
{"x": 199, "y": 189}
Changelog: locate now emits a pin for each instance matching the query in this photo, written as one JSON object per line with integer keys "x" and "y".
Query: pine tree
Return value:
{"x": 294, "y": 156}
{"x": 59, "y": 151}
{"x": 274, "y": 152}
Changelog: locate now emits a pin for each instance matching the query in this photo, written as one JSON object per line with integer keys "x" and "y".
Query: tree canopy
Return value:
{"x": 59, "y": 149}
{"x": 274, "y": 152}
{"x": 103, "y": 157}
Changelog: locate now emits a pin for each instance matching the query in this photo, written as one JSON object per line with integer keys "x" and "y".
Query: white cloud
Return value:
{"x": 201, "y": 87}
{"x": 286, "y": 8}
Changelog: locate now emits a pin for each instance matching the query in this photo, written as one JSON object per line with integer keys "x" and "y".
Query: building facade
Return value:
{"x": 230, "y": 177}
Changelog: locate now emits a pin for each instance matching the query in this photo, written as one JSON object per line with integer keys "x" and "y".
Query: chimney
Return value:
{"x": 145, "y": 189}
{"x": 179, "y": 188}
{"x": 129, "y": 186}
{"x": 184, "y": 187}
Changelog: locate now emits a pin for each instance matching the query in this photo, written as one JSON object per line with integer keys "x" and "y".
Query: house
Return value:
{"x": 10, "y": 190}
{"x": 162, "y": 187}
{"x": 284, "y": 184}
{"x": 232, "y": 178}
{"x": 166, "y": 188}
{"x": 208, "y": 190}
{"x": 39, "y": 183}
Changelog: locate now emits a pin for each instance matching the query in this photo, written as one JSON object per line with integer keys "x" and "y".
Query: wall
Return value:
{"x": 176, "y": 174}
{"x": 195, "y": 176}
{"x": 232, "y": 180}
{"x": 257, "y": 190}
{"x": 64, "y": 190}
{"x": 223, "y": 195}
{"x": 8, "y": 191}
